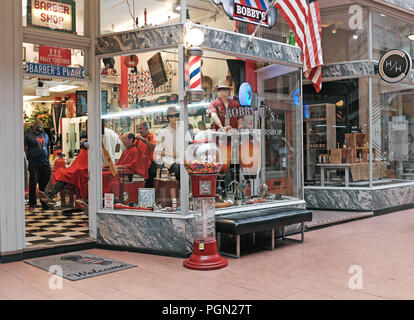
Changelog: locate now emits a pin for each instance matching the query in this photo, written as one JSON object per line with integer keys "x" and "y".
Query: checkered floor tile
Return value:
{"x": 45, "y": 227}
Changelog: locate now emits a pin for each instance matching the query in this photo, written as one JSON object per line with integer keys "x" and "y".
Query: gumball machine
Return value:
{"x": 201, "y": 161}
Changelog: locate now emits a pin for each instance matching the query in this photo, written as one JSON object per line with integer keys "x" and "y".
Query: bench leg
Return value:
{"x": 218, "y": 241}
{"x": 302, "y": 234}
{"x": 273, "y": 239}
{"x": 254, "y": 238}
{"x": 283, "y": 232}
{"x": 238, "y": 246}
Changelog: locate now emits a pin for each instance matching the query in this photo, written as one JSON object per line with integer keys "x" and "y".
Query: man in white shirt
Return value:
{"x": 111, "y": 142}
{"x": 168, "y": 149}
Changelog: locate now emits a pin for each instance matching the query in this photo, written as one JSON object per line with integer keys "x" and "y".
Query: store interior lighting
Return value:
{"x": 149, "y": 110}
{"x": 340, "y": 103}
{"x": 62, "y": 88}
{"x": 355, "y": 36}
{"x": 28, "y": 98}
{"x": 411, "y": 37}
{"x": 334, "y": 29}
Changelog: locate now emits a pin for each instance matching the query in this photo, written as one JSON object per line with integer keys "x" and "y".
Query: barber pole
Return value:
{"x": 195, "y": 91}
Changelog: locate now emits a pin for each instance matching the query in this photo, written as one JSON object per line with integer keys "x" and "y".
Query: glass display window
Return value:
{"x": 257, "y": 136}
{"x": 393, "y": 129}
{"x": 118, "y": 16}
{"x": 349, "y": 29}
{"x": 240, "y": 16}
{"x": 336, "y": 132}
{"x": 390, "y": 33}
{"x": 141, "y": 131}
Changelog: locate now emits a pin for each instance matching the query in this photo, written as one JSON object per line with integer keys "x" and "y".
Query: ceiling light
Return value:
{"x": 195, "y": 37}
{"x": 340, "y": 103}
{"x": 411, "y": 37}
{"x": 27, "y": 98}
{"x": 62, "y": 87}
{"x": 334, "y": 30}
{"x": 382, "y": 15}
{"x": 355, "y": 36}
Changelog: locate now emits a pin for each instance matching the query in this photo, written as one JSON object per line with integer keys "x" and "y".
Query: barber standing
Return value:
{"x": 36, "y": 147}
{"x": 147, "y": 142}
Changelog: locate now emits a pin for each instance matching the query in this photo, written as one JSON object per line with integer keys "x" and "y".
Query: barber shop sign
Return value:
{"x": 250, "y": 11}
{"x": 59, "y": 15}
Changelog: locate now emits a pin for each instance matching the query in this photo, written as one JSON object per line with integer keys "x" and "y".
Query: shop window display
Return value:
{"x": 393, "y": 129}
{"x": 118, "y": 16}
{"x": 336, "y": 136}
{"x": 143, "y": 111}
{"x": 252, "y": 118}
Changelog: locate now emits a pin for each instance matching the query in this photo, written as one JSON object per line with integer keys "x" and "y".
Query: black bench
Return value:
{"x": 260, "y": 220}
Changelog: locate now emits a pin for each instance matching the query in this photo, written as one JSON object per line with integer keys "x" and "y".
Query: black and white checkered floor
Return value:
{"x": 45, "y": 227}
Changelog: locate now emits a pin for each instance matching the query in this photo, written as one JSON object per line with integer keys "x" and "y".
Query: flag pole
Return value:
{"x": 261, "y": 21}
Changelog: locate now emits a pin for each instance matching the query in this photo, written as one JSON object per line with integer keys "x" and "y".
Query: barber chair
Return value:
{"x": 129, "y": 183}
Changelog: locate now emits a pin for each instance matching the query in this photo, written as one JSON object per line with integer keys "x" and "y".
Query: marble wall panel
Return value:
{"x": 166, "y": 36}
{"x": 240, "y": 44}
{"x": 161, "y": 235}
{"x": 338, "y": 199}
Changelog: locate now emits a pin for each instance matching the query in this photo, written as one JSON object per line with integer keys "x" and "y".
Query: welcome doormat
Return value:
{"x": 78, "y": 265}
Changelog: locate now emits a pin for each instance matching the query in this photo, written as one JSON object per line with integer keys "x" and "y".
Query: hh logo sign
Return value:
{"x": 250, "y": 11}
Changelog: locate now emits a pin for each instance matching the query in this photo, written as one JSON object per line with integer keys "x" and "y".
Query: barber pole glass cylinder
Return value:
{"x": 195, "y": 92}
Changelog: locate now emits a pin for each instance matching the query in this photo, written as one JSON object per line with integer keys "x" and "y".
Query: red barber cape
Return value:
{"x": 134, "y": 160}
{"x": 76, "y": 174}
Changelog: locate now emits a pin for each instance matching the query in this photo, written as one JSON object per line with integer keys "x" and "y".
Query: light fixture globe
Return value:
{"x": 195, "y": 37}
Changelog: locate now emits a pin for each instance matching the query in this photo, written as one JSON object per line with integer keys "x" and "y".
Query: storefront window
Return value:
{"x": 390, "y": 33}
{"x": 141, "y": 121}
{"x": 336, "y": 135}
{"x": 393, "y": 129}
{"x": 117, "y": 16}
{"x": 344, "y": 34}
{"x": 241, "y": 17}
{"x": 57, "y": 15}
{"x": 258, "y": 135}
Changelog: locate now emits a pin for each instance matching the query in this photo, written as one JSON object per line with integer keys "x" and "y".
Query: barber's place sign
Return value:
{"x": 59, "y": 15}
{"x": 250, "y": 11}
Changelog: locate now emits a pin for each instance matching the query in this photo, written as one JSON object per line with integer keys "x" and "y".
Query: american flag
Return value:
{"x": 305, "y": 21}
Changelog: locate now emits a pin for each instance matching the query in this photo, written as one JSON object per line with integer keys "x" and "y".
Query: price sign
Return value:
{"x": 395, "y": 66}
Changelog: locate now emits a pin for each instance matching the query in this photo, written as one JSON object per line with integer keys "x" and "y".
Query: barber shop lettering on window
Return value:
{"x": 52, "y": 14}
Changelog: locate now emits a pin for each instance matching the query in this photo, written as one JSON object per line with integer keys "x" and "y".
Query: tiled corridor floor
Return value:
{"x": 382, "y": 247}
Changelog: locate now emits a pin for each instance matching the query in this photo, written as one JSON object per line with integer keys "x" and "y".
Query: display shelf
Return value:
{"x": 322, "y": 117}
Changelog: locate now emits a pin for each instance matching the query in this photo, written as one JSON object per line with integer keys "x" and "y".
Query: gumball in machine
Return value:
{"x": 201, "y": 161}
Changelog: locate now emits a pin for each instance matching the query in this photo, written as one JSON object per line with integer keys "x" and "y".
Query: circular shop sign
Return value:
{"x": 395, "y": 66}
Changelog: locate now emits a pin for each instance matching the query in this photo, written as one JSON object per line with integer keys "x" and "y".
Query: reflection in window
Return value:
{"x": 117, "y": 16}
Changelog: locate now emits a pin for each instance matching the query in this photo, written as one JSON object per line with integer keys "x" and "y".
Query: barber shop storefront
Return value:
{"x": 121, "y": 90}
{"x": 196, "y": 76}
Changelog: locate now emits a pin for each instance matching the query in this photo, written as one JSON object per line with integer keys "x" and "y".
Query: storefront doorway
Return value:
{"x": 58, "y": 106}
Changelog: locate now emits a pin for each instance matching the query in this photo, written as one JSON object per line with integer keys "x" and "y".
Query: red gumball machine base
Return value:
{"x": 205, "y": 257}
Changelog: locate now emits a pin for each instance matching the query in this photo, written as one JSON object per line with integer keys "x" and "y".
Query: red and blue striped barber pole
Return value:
{"x": 195, "y": 91}
{"x": 195, "y": 72}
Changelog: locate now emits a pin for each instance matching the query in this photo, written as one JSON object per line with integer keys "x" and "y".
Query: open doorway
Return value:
{"x": 55, "y": 130}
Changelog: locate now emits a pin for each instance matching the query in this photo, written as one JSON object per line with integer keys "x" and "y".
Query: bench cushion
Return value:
{"x": 260, "y": 220}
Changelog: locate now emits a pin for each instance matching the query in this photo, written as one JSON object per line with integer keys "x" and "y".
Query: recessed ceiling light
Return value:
{"x": 382, "y": 15}
{"x": 411, "y": 37}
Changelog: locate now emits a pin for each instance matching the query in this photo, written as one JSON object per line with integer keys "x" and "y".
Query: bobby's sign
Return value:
{"x": 55, "y": 15}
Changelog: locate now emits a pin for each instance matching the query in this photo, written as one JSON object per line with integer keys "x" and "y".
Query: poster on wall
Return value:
{"x": 57, "y": 15}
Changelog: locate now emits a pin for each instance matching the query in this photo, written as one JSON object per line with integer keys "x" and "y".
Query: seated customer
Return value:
{"x": 131, "y": 159}
{"x": 75, "y": 175}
